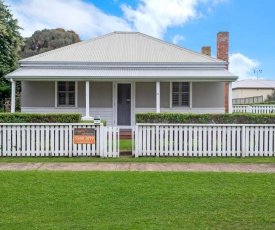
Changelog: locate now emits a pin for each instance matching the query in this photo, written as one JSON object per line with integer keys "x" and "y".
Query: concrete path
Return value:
{"x": 175, "y": 167}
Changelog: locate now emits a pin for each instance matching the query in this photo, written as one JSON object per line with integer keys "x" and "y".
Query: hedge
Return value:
{"x": 39, "y": 118}
{"x": 187, "y": 118}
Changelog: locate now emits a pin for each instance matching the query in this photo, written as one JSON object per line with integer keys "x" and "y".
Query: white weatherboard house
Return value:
{"x": 122, "y": 73}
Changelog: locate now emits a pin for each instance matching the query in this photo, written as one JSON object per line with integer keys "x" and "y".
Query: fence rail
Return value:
{"x": 204, "y": 140}
{"x": 248, "y": 100}
{"x": 254, "y": 108}
{"x": 55, "y": 140}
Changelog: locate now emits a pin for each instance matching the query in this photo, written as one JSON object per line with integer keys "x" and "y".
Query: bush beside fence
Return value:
{"x": 39, "y": 118}
{"x": 187, "y": 118}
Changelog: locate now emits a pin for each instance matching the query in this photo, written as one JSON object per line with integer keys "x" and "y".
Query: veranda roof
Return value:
{"x": 122, "y": 73}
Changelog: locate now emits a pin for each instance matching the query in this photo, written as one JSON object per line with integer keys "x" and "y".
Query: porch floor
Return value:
{"x": 125, "y": 134}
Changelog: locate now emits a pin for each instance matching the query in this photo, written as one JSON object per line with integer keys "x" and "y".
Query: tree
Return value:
{"x": 46, "y": 40}
{"x": 10, "y": 43}
{"x": 270, "y": 97}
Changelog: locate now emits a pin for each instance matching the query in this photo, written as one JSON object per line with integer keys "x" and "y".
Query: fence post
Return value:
{"x": 70, "y": 140}
{"x": 249, "y": 109}
{"x": 136, "y": 141}
{"x": 243, "y": 141}
{"x": 101, "y": 141}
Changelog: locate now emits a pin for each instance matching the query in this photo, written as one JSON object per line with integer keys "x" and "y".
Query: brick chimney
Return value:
{"x": 222, "y": 53}
{"x": 206, "y": 50}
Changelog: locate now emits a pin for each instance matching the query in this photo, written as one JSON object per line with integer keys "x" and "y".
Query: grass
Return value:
{"x": 136, "y": 200}
{"x": 247, "y": 160}
{"x": 125, "y": 144}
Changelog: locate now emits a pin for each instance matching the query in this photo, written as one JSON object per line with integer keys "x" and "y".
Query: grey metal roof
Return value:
{"x": 123, "y": 47}
{"x": 121, "y": 73}
{"x": 254, "y": 84}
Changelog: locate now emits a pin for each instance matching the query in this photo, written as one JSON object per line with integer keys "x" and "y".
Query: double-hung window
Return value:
{"x": 66, "y": 94}
{"x": 181, "y": 94}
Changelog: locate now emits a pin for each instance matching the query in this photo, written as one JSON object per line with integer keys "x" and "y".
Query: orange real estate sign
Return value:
{"x": 84, "y": 136}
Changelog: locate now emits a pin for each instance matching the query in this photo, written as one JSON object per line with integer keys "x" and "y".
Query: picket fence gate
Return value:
{"x": 55, "y": 140}
{"x": 204, "y": 140}
{"x": 254, "y": 109}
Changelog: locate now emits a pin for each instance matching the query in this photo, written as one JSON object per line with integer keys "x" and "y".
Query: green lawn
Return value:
{"x": 255, "y": 160}
{"x": 136, "y": 200}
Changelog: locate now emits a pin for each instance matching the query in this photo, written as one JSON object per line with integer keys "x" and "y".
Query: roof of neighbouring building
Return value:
{"x": 254, "y": 84}
{"x": 123, "y": 47}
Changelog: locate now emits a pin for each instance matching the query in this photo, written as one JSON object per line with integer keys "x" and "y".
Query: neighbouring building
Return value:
{"x": 251, "y": 90}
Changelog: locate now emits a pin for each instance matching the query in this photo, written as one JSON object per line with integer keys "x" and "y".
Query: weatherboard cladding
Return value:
{"x": 123, "y": 47}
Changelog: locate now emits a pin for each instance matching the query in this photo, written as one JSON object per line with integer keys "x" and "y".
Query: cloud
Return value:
{"x": 242, "y": 66}
{"x": 153, "y": 17}
{"x": 177, "y": 38}
{"x": 87, "y": 20}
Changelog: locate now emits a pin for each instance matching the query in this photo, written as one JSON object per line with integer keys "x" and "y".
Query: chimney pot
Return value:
{"x": 206, "y": 50}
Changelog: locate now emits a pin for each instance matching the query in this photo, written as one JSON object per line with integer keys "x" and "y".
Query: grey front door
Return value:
{"x": 124, "y": 104}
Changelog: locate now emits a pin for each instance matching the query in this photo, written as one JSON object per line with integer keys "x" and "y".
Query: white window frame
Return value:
{"x": 75, "y": 95}
{"x": 190, "y": 95}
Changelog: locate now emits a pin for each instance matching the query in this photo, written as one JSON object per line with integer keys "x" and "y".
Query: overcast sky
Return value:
{"x": 187, "y": 23}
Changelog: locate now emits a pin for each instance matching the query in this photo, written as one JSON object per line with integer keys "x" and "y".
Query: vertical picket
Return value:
{"x": 233, "y": 146}
{"x": 185, "y": 141}
{"x": 153, "y": 141}
{"x": 256, "y": 141}
{"x": 261, "y": 143}
{"x": 204, "y": 136}
{"x": 1, "y": 142}
{"x": 180, "y": 141}
{"x": 195, "y": 140}
{"x": 171, "y": 139}
{"x": 229, "y": 141}
{"x": 176, "y": 144}
{"x": 199, "y": 144}
{"x": 18, "y": 140}
{"x": 209, "y": 141}
{"x": 214, "y": 141}
{"x": 148, "y": 141}
{"x": 251, "y": 141}
{"x": 157, "y": 140}
{"x": 166, "y": 141}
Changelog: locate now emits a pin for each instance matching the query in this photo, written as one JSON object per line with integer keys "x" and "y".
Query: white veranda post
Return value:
{"x": 13, "y": 88}
{"x": 87, "y": 115}
{"x": 230, "y": 110}
{"x": 157, "y": 96}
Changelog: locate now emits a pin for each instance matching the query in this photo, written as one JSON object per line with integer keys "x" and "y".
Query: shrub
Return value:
{"x": 39, "y": 118}
{"x": 188, "y": 118}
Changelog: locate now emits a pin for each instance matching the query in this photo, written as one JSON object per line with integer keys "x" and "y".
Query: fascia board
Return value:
{"x": 162, "y": 79}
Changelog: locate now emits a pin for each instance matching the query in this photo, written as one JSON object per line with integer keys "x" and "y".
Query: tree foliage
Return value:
{"x": 10, "y": 43}
{"x": 46, "y": 40}
{"x": 270, "y": 97}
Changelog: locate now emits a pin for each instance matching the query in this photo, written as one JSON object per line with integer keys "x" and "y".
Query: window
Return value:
{"x": 181, "y": 93}
{"x": 66, "y": 93}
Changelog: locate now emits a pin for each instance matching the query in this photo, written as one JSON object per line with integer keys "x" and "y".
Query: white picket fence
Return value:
{"x": 254, "y": 108}
{"x": 55, "y": 140}
{"x": 204, "y": 140}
